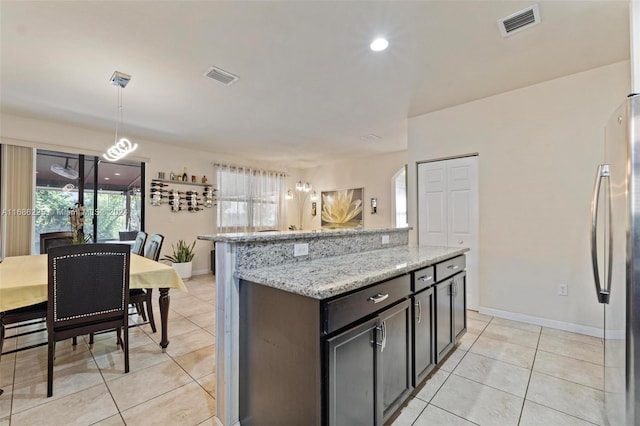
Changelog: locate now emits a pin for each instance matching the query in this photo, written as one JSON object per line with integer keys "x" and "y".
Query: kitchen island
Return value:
{"x": 277, "y": 314}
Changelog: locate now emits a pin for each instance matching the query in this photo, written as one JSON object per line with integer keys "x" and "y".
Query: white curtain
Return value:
{"x": 16, "y": 201}
{"x": 250, "y": 199}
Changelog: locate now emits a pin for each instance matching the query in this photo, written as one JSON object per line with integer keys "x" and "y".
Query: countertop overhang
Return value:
{"x": 332, "y": 276}
{"x": 294, "y": 235}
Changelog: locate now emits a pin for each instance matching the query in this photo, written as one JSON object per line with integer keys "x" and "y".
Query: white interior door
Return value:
{"x": 448, "y": 211}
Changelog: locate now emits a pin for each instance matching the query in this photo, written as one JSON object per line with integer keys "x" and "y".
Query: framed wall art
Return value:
{"x": 342, "y": 208}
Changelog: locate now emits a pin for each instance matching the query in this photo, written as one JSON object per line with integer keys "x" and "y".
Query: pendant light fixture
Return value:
{"x": 122, "y": 146}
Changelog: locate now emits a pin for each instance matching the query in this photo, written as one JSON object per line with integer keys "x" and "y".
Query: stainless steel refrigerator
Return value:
{"x": 615, "y": 247}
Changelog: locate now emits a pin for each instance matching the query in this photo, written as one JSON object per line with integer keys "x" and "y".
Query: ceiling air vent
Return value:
{"x": 519, "y": 21}
{"x": 221, "y": 75}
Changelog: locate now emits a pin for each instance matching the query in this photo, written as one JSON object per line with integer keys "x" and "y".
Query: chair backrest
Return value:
{"x": 87, "y": 283}
{"x": 127, "y": 235}
{"x": 154, "y": 246}
{"x": 138, "y": 246}
{"x": 54, "y": 239}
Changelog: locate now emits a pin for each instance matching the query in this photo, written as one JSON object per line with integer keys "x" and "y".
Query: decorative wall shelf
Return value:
{"x": 181, "y": 200}
{"x": 180, "y": 182}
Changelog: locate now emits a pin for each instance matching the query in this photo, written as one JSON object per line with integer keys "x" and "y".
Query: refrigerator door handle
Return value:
{"x": 603, "y": 294}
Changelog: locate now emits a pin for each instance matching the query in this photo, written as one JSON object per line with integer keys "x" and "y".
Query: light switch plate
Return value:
{"x": 385, "y": 239}
{"x": 300, "y": 249}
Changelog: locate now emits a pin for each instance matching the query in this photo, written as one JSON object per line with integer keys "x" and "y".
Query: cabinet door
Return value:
{"x": 395, "y": 354}
{"x": 424, "y": 355}
{"x": 353, "y": 358}
{"x": 459, "y": 305}
{"x": 444, "y": 320}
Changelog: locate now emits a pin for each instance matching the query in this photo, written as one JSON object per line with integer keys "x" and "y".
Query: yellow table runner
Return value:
{"x": 23, "y": 279}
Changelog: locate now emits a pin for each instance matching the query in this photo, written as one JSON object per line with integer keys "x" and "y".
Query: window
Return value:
{"x": 249, "y": 199}
{"x": 399, "y": 185}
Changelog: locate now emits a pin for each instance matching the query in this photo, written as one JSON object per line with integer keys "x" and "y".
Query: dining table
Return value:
{"x": 24, "y": 282}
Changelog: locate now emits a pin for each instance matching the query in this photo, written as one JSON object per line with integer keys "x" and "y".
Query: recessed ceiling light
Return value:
{"x": 117, "y": 174}
{"x": 106, "y": 178}
{"x": 379, "y": 44}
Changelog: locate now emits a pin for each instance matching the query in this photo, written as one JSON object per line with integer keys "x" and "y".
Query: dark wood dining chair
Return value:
{"x": 88, "y": 292}
{"x": 127, "y": 235}
{"x": 138, "y": 246}
{"x": 34, "y": 314}
{"x": 141, "y": 298}
{"x": 54, "y": 239}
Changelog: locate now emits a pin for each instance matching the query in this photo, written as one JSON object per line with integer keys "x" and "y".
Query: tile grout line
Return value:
{"x": 526, "y": 391}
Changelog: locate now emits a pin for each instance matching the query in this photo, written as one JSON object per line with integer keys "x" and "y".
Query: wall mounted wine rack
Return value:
{"x": 164, "y": 192}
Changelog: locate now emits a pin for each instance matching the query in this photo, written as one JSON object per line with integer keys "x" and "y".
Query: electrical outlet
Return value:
{"x": 563, "y": 290}
{"x": 300, "y": 249}
{"x": 385, "y": 239}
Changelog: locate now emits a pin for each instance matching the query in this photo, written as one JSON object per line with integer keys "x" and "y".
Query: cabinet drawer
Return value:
{"x": 449, "y": 267}
{"x": 345, "y": 310}
{"x": 422, "y": 278}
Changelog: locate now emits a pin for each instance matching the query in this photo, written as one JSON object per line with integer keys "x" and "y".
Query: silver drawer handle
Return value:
{"x": 378, "y": 298}
{"x": 426, "y": 278}
{"x": 454, "y": 267}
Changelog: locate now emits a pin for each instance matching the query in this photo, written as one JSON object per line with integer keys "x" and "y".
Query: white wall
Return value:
{"x": 159, "y": 157}
{"x": 374, "y": 173}
{"x": 538, "y": 151}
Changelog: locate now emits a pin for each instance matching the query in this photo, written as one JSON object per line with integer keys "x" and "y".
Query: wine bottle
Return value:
{"x": 153, "y": 183}
{"x": 194, "y": 209}
{"x": 185, "y": 177}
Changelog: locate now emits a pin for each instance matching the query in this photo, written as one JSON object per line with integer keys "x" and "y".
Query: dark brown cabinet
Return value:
{"x": 349, "y": 360}
{"x": 369, "y": 368}
{"x": 354, "y": 359}
{"x": 459, "y": 305}
{"x": 423, "y": 334}
{"x": 444, "y": 319}
{"x": 395, "y": 357}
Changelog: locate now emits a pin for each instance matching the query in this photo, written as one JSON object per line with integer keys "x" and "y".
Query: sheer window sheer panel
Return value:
{"x": 249, "y": 199}
{"x": 17, "y": 200}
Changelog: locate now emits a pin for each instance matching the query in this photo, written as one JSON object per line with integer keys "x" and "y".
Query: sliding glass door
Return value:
{"x": 112, "y": 194}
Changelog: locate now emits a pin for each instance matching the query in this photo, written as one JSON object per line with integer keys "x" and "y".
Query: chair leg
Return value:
{"x": 119, "y": 336}
{"x": 125, "y": 345}
{"x": 91, "y": 338}
{"x": 50, "y": 355}
{"x": 150, "y": 310}
{"x": 1, "y": 337}
{"x": 75, "y": 341}
{"x": 140, "y": 307}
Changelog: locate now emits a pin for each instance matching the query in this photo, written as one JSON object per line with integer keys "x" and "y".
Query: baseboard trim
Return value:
{"x": 544, "y": 322}
{"x": 200, "y": 271}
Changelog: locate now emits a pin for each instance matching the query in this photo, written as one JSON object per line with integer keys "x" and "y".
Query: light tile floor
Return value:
{"x": 510, "y": 373}
{"x": 502, "y": 373}
{"x": 175, "y": 387}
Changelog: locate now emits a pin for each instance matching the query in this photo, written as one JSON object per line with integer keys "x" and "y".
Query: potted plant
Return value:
{"x": 182, "y": 258}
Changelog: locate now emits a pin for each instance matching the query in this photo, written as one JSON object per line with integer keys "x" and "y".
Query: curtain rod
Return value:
{"x": 257, "y": 169}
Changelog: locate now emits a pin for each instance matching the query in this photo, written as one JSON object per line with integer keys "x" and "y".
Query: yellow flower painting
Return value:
{"x": 342, "y": 208}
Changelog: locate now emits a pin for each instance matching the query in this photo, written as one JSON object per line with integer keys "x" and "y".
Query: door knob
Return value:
{"x": 460, "y": 242}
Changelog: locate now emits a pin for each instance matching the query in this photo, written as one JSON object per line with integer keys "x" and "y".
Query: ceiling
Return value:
{"x": 310, "y": 88}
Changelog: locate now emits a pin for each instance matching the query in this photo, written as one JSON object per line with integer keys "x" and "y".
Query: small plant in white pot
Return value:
{"x": 182, "y": 258}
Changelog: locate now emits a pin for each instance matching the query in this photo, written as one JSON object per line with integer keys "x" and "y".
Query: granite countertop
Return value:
{"x": 331, "y": 276}
{"x": 291, "y": 235}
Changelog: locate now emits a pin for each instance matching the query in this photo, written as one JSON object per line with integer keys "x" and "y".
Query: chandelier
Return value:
{"x": 122, "y": 146}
